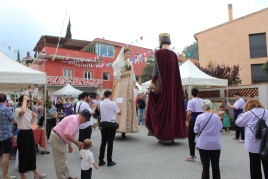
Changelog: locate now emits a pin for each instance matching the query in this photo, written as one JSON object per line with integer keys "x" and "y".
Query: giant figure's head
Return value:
{"x": 164, "y": 38}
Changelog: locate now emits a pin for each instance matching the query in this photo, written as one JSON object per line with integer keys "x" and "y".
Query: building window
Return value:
{"x": 104, "y": 49}
{"x": 257, "y": 43}
{"x": 88, "y": 74}
{"x": 137, "y": 78}
{"x": 257, "y": 74}
{"x": 67, "y": 73}
{"x": 106, "y": 76}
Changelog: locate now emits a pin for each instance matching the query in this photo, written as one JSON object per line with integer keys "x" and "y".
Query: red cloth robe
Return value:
{"x": 166, "y": 116}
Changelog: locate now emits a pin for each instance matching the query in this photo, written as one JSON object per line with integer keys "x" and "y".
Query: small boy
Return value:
{"x": 61, "y": 114}
{"x": 87, "y": 160}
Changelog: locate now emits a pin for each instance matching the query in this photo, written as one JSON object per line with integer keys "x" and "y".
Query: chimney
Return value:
{"x": 230, "y": 10}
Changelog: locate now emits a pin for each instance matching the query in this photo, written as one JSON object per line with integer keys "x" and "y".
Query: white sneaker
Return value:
{"x": 39, "y": 176}
{"x": 241, "y": 141}
{"x": 48, "y": 141}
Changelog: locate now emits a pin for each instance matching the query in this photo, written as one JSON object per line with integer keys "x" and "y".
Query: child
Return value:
{"x": 226, "y": 121}
{"x": 87, "y": 160}
{"x": 61, "y": 114}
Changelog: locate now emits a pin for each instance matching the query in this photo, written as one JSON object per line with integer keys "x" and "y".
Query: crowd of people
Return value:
{"x": 165, "y": 118}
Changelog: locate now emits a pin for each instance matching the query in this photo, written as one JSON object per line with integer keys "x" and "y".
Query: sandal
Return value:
{"x": 190, "y": 159}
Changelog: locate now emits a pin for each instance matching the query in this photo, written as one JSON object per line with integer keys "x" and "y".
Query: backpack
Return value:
{"x": 263, "y": 151}
{"x": 260, "y": 127}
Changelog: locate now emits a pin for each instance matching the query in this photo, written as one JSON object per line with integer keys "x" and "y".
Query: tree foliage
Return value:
{"x": 192, "y": 51}
{"x": 147, "y": 72}
{"x": 223, "y": 72}
{"x": 68, "y": 31}
{"x": 265, "y": 67}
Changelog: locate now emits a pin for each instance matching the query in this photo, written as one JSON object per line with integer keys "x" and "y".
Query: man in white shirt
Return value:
{"x": 85, "y": 129}
{"x": 108, "y": 110}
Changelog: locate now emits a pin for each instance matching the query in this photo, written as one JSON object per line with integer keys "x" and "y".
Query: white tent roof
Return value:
{"x": 141, "y": 89}
{"x": 15, "y": 76}
{"x": 67, "y": 90}
{"x": 146, "y": 84}
{"x": 191, "y": 75}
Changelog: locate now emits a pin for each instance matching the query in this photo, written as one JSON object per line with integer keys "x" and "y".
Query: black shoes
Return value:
{"x": 101, "y": 162}
{"x": 111, "y": 164}
{"x": 124, "y": 135}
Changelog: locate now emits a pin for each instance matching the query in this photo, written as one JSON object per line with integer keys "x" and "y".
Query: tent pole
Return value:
{"x": 45, "y": 122}
{"x": 226, "y": 97}
{"x": 189, "y": 91}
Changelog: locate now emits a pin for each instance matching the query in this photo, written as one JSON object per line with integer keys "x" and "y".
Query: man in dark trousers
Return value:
{"x": 108, "y": 110}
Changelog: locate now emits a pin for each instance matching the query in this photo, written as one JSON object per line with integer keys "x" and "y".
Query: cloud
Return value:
{"x": 118, "y": 20}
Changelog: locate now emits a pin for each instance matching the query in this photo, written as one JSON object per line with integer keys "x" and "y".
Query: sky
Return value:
{"x": 22, "y": 23}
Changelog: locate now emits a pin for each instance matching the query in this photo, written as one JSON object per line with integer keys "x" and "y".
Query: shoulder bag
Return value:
{"x": 204, "y": 126}
{"x": 108, "y": 125}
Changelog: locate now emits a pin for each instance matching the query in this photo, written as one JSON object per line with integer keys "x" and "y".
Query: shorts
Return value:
{"x": 6, "y": 146}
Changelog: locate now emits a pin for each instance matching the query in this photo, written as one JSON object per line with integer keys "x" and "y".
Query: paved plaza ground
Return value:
{"x": 140, "y": 156}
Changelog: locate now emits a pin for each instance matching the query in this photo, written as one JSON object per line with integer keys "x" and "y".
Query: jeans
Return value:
{"x": 210, "y": 155}
{"x": 141, "y": 113}
{"x": 255, "y": 161}
{"x": 107, "y": 136}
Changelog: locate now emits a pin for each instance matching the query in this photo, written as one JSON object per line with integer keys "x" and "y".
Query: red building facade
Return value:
{"x": 86, "y": 65}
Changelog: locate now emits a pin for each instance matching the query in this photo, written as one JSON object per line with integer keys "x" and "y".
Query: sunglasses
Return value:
{"x": 29, "y": 101}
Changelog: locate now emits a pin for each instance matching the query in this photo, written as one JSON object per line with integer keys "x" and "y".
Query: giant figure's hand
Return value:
{"x": 152, "y": 87}
{"x": 187, "y": 123}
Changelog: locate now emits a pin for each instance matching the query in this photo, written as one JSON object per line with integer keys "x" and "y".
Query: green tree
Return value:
{"x": 18, "y": 58}
{"x": 223, "y": 72}
{"x": 265, "y": 67}
{"x": 68, "y": 31}
{"x": 147, "y": 72}
{"x": 192, "y": 51}
{"x": 47, "y": 102}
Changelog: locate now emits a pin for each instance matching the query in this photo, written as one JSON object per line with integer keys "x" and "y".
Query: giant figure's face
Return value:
{"x": 127, "y": 55}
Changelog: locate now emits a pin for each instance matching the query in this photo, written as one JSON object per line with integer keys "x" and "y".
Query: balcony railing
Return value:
{"x": 61, "y": 80}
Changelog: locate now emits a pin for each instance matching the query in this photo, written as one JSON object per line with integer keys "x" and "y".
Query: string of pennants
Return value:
{"x": 85, "y": 64}
{"x": 97, "y": 62}
{"x": 97, "y": 59}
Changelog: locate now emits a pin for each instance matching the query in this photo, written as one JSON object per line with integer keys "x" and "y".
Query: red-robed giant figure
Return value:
{"x": 165, "y": 116}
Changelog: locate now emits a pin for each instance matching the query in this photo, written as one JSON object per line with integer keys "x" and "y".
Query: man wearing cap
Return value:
{"x": 165, "y": 116}
{"x": 62, "y": 134}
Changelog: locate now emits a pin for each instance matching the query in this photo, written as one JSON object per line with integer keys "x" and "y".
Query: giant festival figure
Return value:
{"x": 124, "y": 84}
{"x": 165, "y": 116}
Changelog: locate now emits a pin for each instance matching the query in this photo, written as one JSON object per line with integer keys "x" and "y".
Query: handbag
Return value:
{"x": 204, "y": 126}
{"x": 108, "y": 125}
{"x": 264, "y": 146}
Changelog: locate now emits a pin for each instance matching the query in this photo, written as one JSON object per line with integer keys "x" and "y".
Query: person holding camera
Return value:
{"x": 108, "y": 111}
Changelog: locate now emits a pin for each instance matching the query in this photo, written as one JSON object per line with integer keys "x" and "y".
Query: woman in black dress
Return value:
{"x": 25, "y": 140}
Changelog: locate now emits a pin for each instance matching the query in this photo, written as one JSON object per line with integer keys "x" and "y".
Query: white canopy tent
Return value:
{"x": 146, "y": 84}
{"x": 191, "y": 75}
{"x": 141, "y": 89}
{"x": 67, "y": 90}
{"x": 15, "y": 76}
